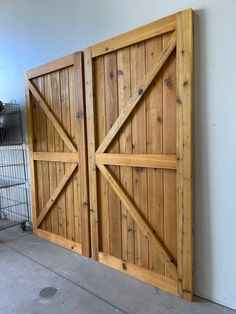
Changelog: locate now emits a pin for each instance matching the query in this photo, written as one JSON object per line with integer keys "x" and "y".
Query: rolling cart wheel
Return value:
{"x": 23, "y": 226}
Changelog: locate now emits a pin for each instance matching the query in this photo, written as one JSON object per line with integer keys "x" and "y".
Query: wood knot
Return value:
{"x": 106, "y": 49}
{"x": 169, "y": 82}
{"x": 111, "y": 75}
{"x": 185, "y": 83}
{"x": 139, "y": 169}
{"x": 140, "y": 91}
{"x": 178, "y": 100}
{"x": 79, "y": 115}
{"x": 120, "y": 72}
{"x": 159, "y": 119}
{"x": 124, "y": 266}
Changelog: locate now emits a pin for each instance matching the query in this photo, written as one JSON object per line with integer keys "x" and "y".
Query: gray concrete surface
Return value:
{"x": 29, "y": 264}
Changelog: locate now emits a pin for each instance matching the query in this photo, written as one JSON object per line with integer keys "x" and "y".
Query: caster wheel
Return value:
{"x": 23, "y": 226}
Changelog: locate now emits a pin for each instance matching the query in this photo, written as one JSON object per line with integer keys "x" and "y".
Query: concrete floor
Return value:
{"x": 80, "y": 285}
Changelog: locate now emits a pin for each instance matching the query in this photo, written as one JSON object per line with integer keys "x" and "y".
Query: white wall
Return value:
{"x": 35, "y": 32}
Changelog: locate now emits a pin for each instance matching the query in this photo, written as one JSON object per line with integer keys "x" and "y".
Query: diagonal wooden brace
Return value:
{"x": 158, "y": 246}
{"x": 56, "y": 193}
{"x": 43, "y": 104}
{"x": 134, "y": 100}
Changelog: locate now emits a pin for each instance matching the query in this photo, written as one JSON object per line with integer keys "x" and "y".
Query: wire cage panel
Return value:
{"x": 12, "y": 166}
{"x": 13, "y": 206}
{"x": 13, "y": 192}
{"x": 10, "y": 124}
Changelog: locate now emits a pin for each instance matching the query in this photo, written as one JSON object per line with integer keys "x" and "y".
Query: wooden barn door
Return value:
{"x": 56, "y": 124}
{"x": 139, "y": 122}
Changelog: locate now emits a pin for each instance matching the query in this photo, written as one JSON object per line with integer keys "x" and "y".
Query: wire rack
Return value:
{"x": 13, "y": 192}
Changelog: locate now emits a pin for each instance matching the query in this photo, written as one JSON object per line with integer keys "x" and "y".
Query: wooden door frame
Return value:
{"x": 77, "y": 156}
{"x": 182, "y": 24}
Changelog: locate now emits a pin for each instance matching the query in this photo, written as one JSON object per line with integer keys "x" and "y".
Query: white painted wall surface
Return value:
{"x": 35, "y": 32}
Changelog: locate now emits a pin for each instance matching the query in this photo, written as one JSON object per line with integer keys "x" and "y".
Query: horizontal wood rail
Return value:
{"x": 164, "y": 25}
{"x": 57, "y": 156}
{"x": 59, "y": 240}
{"x": 155, "y": 279}
{"x": 51, "y": 66}
{"x": 143, "y": 160}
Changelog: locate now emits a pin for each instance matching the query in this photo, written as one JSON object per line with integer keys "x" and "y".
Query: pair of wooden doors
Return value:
{"x": 125, "y": 115}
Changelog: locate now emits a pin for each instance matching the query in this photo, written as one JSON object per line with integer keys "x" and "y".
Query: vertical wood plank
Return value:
{"x": 44, "y": 164}
{"x": 110, "y": 70}
{"x": 100, "y": 114}
{"x": 184, "y": 151}
{"x": 154, "y": 146}
{"x": 60, "y": 169}
{"x": 82, "y": 151}
{"x": 169, "y": 147}
{"x": 139, "y": 147}
{"x": 38, "y": 169}
{"x": 125, "y": 140}
{"x": 51, "y": 148}
{"x": 65, "y": 103}
{"x": 33, "y": 181}
{"x": 74, "y": 135}
{"x": 91, "y": 154}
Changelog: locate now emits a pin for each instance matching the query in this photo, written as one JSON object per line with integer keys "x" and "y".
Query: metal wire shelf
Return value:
{"x": 13, "y": 192}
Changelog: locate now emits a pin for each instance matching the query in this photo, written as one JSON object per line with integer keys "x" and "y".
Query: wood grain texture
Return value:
{"x": 58, "y": 152}
{"x": 91, "y": 156}
{"x": 139, "y": 34}
{"x": 147, "y": 276}
{"x": 137, "y": 93}
{"x": 134, "y": 78}
{"x": 139, "y": 219}
{"x": 184, "y": 151}
{"x": 138, "y": 160}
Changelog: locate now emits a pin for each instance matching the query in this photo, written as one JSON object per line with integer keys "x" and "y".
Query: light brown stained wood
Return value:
{"x": 37, "y": 146}
{"x": 139, "y": 34}
{"x": 139, "y": 219}
{"x": 133, "y": 270}
{"x": 57, "y": 157}
{"x": 154, "y": 146}
{"x": 184, "y": 151}
{"x": 44, "y": 106}
{"x": 44, "y": 147}
{"x": 139, "y": 147}
{"x": 81, "y": 185}
{"x": 51, "y": 148}
{"x": 100, "y": 116}
{"x": 91, "y": 155}
{"x": 111, "y": 103}
{"x": 74, "y": 134}
{"x": 56, "y": 98}
{"x": 138, "y": 160}
{"x": 137, "y": 94}
{"x": 29, "y": 111}
{"x": 64, "y": 180}
{"x": 51, "y": 67}
{"x": 169, "y": 147}
{"x": 54, "y": 238}
{"x": 66, "y": 122}
{"x": 145, "y": 129}
{"x": 58, "y": 149}
{"x": 125, "y": 142}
